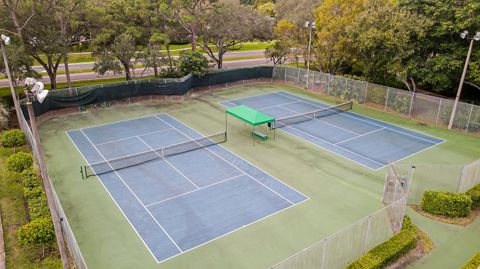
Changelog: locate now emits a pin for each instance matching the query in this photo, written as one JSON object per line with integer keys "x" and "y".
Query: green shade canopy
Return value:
{"x": 250, "y": 115}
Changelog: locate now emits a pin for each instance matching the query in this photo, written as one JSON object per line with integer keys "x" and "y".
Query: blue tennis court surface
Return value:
{"x": 180, "y": 202}
{"x": 361, "y": 139}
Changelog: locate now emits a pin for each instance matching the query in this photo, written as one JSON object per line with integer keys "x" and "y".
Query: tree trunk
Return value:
{"x": 53, "y": 79}
{"x": 169, "y": 55}
{"x": 67, "y": 72}
{"x": 194, "y": 39}
{"x": 220, "y": 60}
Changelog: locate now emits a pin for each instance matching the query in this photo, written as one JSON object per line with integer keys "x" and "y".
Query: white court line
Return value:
{"x": 369, "y": 122}
{"x": 231, "y": 164}
{"x": 133, "y": 136}
{"x": 192, "y": 191}
{"x": 352, "y": 138}
{"x": 242, "y": 159}
{"x": 114, "y": 201}
{"x": 337, "y": 147}
{"x": 112, "y": 123}
{"x": 196, "y": 186}
{"x": 317, "y": 119}
{"x": 136, "y": 197}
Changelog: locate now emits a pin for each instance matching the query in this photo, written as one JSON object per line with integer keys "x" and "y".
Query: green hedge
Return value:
{"x": 19, "y": 161}
{"x": 475, "y": 195}
{"x": 34, "y": 195}
{"x": 473, "y": 263}
{"x": 447, "y": 203}
{"x": 13, "y": 138}
{"x": 389, "y": 251}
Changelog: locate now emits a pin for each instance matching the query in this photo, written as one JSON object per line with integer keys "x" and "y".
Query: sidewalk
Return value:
{"x": 453, "y": 245}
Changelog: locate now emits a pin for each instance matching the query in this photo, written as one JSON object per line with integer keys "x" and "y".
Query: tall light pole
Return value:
{"x": 310, "y": 26}
{"x": 464, "y": 35}
{"x": 5, "y": 41}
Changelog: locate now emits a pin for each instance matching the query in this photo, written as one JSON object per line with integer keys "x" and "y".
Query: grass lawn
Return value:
{"x": 14, "y": 215}
{"x": 82, "y": 57}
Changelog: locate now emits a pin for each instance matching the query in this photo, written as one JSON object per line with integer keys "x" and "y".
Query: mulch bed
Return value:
{"x": 462, "y": 221}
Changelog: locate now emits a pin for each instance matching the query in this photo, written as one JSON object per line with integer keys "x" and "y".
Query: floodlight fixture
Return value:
{"x": 5, "y": 39}
{"x": 477, "y": 36}
{"x": 464, "y": 34}
{"x": 35, "y": 89}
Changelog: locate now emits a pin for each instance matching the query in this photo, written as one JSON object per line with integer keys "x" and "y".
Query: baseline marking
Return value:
{"x": 133, "y": 136}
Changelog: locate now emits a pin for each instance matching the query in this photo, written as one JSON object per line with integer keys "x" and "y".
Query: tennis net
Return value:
{"x": 324, "y": 112}
{"x": 123, "y": 162}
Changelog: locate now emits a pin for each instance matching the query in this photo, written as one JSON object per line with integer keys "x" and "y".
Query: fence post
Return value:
{"x": 365, "y": 244}
{"x": 386, "y": 98}
{"x": 469, "y": 118}
{"x": 298, "y": 76}
{"x": 439, "y": 109}
{"x": 411, "y": 105}
{"x": 324, "y": 256}
{"x": 329, "y": 79}
{"x": 285, "y": 74}
{"x": 461, "y": 179}
{"x": 366, "y": 91}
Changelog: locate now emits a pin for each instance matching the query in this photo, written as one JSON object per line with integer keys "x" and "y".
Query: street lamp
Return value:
{"x": 5, "y": 41}
{"x": 310, "y": 26}
{"x": 463, "y": 35}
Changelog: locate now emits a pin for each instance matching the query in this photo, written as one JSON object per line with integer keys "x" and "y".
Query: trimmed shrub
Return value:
{"x": 19, "y": 161}
{"x": 29, "y": 178}
{"x": 389, "y": 251}
{"x": 38, "y": 207}
{"x": 475, "y": 195}
{"x": 32, "y": 193}
{"x": 473, "y": 263}
{"x": 38, "y": 231}
{"x": 13, "y": 138}
{"x": 447, "y": 203}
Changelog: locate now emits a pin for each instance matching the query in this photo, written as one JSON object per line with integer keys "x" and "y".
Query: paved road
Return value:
{"x": 138, "y": 71}
{"x": 89, "y": 65}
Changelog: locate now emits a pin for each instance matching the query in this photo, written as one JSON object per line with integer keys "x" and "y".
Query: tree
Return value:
{"x": 296, "y": 11}
{"x": 333, "y": 43}
{"x": 439, "y": 58}
{"x": 267, "y": 9}
{"x": 191, "y": 15}
{"x": 20, "y": 63}
{"x": 193, "y": 62}
{"x": 117, "y": 57}
{"x": 228, "y": 26}
{"x": 277, "y": 52}
{"x": 38, "y": 231}
{"x": 290, "y": 35}
{"x": 383, "y": 38}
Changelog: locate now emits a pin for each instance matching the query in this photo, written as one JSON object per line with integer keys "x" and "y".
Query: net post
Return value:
{"x": 81, "y": 171}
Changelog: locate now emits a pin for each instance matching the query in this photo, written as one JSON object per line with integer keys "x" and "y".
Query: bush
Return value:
{"x": 447, "y": 203}
{"x": 38, "y": 207}
{"x": 193, "y": 62}
{"x": 32, "y": 193}
{"x": 13, "y": 138}
{"x": 474, "y": 263}
{"x": 389, "y": 251}
{"x": 475, "y": 195}
{"x": 38, "y": 231}
{"x": 19, "y": 162}
{"x": 29, "y": 178}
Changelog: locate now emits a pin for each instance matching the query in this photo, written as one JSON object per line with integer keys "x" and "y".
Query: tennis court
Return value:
{"x": 191, "y": 192}
{"x": 368, "y": 142}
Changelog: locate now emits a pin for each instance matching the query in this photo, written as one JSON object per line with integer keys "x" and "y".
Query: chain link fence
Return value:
{"x": 417, "y": 106}
{"x": 437, "y": 177}
{"x": 347, "y": 245}
{"x": 67, "y": 232}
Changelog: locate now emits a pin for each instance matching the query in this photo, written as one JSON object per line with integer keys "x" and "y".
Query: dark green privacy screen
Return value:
{"x": 157, "y": 86}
